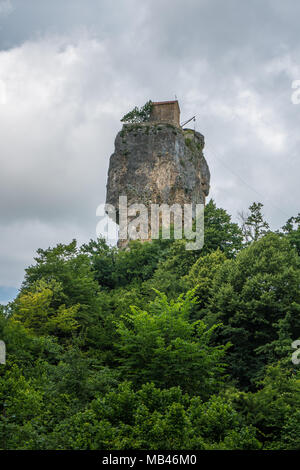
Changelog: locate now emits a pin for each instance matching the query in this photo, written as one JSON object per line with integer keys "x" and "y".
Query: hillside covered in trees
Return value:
{"x": 157, "y": 347}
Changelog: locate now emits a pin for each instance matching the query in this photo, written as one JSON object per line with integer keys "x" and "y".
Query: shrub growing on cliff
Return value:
{"x": 139, "y": 114}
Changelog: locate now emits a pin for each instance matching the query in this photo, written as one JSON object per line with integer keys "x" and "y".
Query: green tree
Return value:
{"x": 273, "y": 409}
{"x": 103, "y": 261}
{"x": 77, "y": 297}
{"x": 253, "y": 224}
{"x": 220, "y": 232}
{"x": 257, "y": 298}
{"x": 162, "y": 346}
{"x": 153, "y": 418}
{"x": 292, "y": 231}
{"x": 33, "y": 308}
{"x": 139, "y": 114}
{"x": 201, "y": 278}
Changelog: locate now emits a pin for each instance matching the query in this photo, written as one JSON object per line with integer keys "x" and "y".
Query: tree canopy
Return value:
{"x": 138, "y": 114}
{"x": 157, "y": 347}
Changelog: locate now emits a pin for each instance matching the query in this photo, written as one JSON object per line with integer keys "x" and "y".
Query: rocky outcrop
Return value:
{"x": 158, "y": 163}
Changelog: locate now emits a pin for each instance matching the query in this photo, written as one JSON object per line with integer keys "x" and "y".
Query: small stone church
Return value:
{"x": 166, "y": 111}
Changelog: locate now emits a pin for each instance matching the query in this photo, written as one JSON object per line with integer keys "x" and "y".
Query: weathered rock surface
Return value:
{"x": 158, "y": 163}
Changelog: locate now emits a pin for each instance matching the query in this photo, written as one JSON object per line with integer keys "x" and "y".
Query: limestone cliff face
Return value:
{"x": 157, "y": 163}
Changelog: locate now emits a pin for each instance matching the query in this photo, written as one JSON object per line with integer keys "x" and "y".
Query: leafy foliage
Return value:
{"x": 161, "y": 346}
{"x": 253, "y": 224}
{"x": 257, "y": 298}
{"x": 157, "y": 347}
{"x": 138, "y": 114}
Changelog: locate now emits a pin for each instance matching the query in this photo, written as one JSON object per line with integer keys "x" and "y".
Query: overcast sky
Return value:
{"x": 70, "y": 69}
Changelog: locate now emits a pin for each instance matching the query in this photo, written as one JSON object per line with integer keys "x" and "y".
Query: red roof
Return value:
{"x": 165, "y": 102}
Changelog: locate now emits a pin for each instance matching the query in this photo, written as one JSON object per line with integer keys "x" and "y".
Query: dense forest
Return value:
{"x": 157, "y": 347}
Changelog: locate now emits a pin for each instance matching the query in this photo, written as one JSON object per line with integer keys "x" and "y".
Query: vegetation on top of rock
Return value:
{"x": 138, "y": 114}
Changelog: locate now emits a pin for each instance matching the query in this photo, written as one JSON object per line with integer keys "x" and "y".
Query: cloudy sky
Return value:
{"x": 70, "y": 69}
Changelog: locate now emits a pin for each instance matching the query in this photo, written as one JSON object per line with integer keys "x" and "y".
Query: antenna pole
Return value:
{"x": 186, "y": 122}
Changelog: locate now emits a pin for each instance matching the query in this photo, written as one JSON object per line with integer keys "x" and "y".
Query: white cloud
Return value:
{"x": 58, "y": 123}
{"x": 57, "y": 128}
